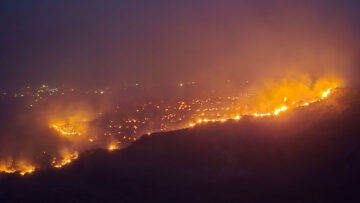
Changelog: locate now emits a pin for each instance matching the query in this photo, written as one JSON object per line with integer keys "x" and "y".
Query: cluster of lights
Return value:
{"x": 35, "y": 94}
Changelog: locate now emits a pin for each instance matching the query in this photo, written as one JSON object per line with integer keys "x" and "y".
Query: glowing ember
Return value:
{"x": 326, "y": 93}
{"x": 277, "y": 111}
{"x": 113, "y": 147}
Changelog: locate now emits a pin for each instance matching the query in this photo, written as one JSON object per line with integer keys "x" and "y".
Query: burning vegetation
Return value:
{"x": 70, "y": 128}
{"x": 65, "y": 161}
{"x": 125, "y": 124}
{"x": 22, "y": 167}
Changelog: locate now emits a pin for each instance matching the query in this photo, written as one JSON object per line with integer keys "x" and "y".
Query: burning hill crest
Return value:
{"x": 115, "y": 129}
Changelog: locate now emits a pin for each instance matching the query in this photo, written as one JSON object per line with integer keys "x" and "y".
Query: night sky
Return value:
{"x": 89, "y": 42}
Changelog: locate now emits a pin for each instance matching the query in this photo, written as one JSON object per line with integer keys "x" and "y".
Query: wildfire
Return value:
{"x": 326, "y": 93}
{"x": 29, "y": 170}
{"x": 272, "y": 103}
{"x": 276, "y": 112}
{"x": 20, "y": 167}
{"x": 65, "y": 129}
{"x": 66, "y": 160}
{"x": 113, "y": 147}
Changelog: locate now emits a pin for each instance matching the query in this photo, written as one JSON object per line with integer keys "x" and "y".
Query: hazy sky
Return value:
{"x": 101, "y": 42}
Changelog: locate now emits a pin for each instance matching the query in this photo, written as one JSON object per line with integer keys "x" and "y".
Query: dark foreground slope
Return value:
{"x": 309, "y": 154}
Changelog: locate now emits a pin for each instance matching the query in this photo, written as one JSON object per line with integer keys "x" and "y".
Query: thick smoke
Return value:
{"x": 290, "y": 90}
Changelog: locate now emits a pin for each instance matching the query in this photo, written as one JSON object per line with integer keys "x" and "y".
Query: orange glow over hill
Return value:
{"x": 272, "y": 102}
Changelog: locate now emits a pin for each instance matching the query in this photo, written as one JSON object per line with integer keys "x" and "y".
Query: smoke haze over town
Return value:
{"x": 159, "y": 100}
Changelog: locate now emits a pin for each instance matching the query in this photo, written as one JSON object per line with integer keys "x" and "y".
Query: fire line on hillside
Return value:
{"x": 192, "y": 114}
